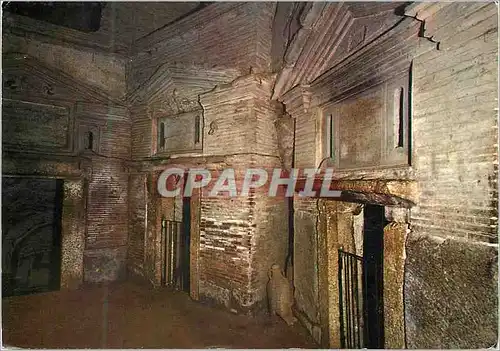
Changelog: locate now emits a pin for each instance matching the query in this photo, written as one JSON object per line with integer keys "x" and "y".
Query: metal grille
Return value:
{"x": 351, "y": 300}
{"x": 171, "y": 232}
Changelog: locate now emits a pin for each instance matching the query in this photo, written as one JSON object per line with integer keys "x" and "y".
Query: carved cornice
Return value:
{"x": 387, "y": 192}
{"x": 97, "y": 111}
{"x": 389, "y": 55}
{"x": 252, "y": 86}
{"x": 175, "y": 89}
{"x": 297, "y": 100}
{"x": 23, "y": 76}
{"x": 43, "y": 164}
{"x": 331, "y": 32}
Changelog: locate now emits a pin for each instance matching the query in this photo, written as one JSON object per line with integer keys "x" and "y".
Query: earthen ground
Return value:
{"x": 135, "y": 315}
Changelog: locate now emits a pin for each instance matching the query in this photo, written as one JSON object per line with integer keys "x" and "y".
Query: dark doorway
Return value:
{"x": 361, "y": 286}
{"x": 31, "y": 235}
{"x": 84, "y": 16}
{"x": 176, "y": 240}
{"x": 373, "y": 256}
{"x": 186, "y": 242}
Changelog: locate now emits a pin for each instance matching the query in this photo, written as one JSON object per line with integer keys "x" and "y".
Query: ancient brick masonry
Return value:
{"x": 450, "y": 255}
{"x": 241, "y": 237}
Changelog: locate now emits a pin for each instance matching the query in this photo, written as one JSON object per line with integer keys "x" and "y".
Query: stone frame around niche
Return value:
{"x": 73, "y": 172}
{"x": 190, "y": 142}
{"x": 394, "y": 125}
{"x": 85, "y": 126}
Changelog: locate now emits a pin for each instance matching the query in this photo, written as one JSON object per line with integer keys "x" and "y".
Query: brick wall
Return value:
{"x": 451, "y": 285}
{"x": 107, "y": 201}
{"x": 125, "y": 22}
{"x": 246, "y": 123}
{"x": 240, "y": 115}
{"x": 141, "y": 133}
{"x": 226, "y": 231}
{"x": 107, "y": 221}
{"x": 455, "y": 125}
{"x": 305, "y": 141}
{"x": 240, "y": 238}
{"x": 137, "y": 223}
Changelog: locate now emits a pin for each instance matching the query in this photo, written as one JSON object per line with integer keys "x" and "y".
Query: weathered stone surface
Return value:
{"x": 285, "y": 126}
{"x": 104, "y": 265}
{"x": 455, "y": 125}
{"x": 73, "y": 234}
{"x": 451, "y": 293}
{"x": 305, "y": 262}
{"x": 136, "y": 224}
{"x": 280, "y": 295}
{"x": 394, "y": 268}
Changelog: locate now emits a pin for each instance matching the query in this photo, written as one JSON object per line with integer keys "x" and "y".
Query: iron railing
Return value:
{"x": 171, "y": 241}
{"x": 351, "y": 300}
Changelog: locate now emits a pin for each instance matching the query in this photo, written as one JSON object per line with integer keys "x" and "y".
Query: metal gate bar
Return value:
{"x": 350, "y": 300}
{"x": 170, "y": 238}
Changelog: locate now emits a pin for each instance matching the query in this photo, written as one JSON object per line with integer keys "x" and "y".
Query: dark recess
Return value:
{"x": 82, "y": 16}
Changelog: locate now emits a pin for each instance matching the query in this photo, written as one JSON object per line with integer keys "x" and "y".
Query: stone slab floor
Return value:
{"x": 133, "y": 315}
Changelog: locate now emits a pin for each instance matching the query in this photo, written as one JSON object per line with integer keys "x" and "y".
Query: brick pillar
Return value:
{"x": 240, "y": 238}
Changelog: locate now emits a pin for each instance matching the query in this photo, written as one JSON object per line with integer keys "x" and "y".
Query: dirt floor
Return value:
{"x": 132, "y": 315}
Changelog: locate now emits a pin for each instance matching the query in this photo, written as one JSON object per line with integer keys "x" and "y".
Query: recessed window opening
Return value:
{"x": 329, "y": 136}
{"x": 162, "y": 135}
{"x": 399, "y": 118}
{"x": 90, "y": 141}
{"x": 197, "y": 129}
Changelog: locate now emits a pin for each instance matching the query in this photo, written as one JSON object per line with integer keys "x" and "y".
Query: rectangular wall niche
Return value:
{"x": 370, "y": 129}
{"x": 89, "y": 134}
{"x": 181, "y": 133}
{"x": 30, "y": 126}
